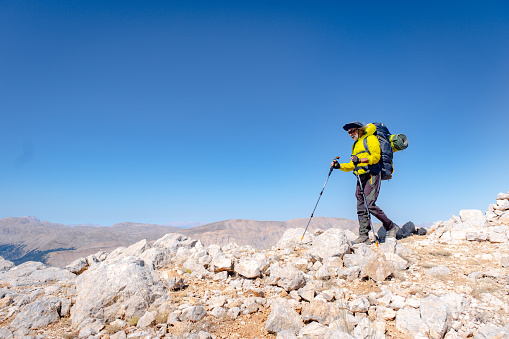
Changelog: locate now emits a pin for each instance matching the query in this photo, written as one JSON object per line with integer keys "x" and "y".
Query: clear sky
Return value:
{"x": 161, "y": 111}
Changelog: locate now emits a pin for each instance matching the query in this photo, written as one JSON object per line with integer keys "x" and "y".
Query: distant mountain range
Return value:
{"x": 29, "y": 239}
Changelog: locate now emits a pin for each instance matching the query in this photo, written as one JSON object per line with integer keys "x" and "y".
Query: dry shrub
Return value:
{"x": 427, "y": 265}
{"x": 133, "y": 321}
{"x": 161, "y": 318}
{"x": 181, "y": 329}
{"x": 484, "y": 286}
{"x": 440, "y": 253}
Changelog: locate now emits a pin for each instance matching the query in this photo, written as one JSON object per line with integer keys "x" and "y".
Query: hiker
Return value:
{"x": 365, "y": 164}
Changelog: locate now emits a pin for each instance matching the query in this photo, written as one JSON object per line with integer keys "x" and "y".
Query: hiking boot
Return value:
{"x": 392, "y": 232}
{"x": 363, "y": 238}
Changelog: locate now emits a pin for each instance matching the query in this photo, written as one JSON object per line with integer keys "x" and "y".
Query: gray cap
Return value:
{"x": 353, "y": 124}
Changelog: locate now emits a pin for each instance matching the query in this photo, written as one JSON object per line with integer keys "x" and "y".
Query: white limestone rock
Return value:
{"x": 292, "y": 237}
{"x": 124, "y": 286}
{"x": 283, "y": 317}
{"x": 491, "y": 332}
{"x": 473, "y": 218}
{"x": 5, "y": 265}
{"x": 409, "y": 320}
{"x": 377, "y": 268}
{"x": 289, "y": 278}
{"x": 149, "y": 318}
{"x": 33, "y": 273}
{"x": 5, "y": 333}
{"x": 78, "y": 266}
{"x": 385, "y": 313}
{"x": 313, "y": 330}
{"x": 38, "y": 314}
{"x": 359, "y": 305}
{"x": 250, "y": 268}
{"x": 438, "y": 271}
{"x": 193, "y": 313}
{"x": 174, "y": 241}
{"x": 332, "y": 243}
{"x": 286, "y": 334}
{"x": 320, "y": 311}
{"x": 498, "y": 234}
{"x": 156, "y": 257}
{"x": 434, "y": 313}
{"x": 396, "y": 261}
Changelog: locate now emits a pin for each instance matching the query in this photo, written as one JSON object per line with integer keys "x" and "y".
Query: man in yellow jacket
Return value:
{"x": 365, "y": 163}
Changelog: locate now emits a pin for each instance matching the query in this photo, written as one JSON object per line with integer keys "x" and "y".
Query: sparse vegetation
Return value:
{"x": 161, "y": 318}
{"x": 133, "y": 321}
{"x": 428, "y": 265}
{"x": 440, "y": 253}
{"x": 484, "y": 286}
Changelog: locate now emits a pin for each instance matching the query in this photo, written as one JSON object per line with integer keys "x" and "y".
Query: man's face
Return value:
{"x": 354, "y": 133}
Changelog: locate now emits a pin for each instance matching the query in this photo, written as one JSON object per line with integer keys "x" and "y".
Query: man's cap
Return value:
{"x": 353, "y": 124}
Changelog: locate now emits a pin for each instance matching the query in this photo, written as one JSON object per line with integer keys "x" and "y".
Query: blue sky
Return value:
{"x": 164, "y": 111}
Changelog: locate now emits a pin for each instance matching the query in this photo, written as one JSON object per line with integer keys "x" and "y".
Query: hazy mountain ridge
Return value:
{"x": 29, "y": 239}
{"x": 58, "y": 243}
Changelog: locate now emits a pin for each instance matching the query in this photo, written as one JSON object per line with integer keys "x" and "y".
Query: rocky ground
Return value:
{"x": 451, "y": 283}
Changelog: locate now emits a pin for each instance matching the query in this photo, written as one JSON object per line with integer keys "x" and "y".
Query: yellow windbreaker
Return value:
{"x": 358, "y": 150}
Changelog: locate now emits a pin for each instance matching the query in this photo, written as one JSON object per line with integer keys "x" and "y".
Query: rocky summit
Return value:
{"x": 450, "y": 283}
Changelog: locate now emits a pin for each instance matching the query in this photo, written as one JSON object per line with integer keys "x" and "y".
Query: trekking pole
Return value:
{"x": 330, "y": 171}
{"x": 366, "y": 204}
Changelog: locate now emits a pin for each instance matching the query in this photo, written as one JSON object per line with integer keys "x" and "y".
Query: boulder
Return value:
{"x": 174, "y": 241}
{"x": 149, "y": 318}
{"x": 491, "y": 332}
{"x": 396, "y": 261}
{"x": 438, "y": 271}
{"x": 40, "y": 313}
{"x": 385, "y": 313}
{"x": 78, "y": 266}
{"x": 289, "y": 278}
{"x": 286, "y": 334}
{"x": 123, "y": 287}
{"x": 5, "y": 333}
{"x": 251, "y": 267}
{"x": 409, "y": 320}
{"x": 194, "y": 313}
{"x": 220, "y": 263}
{"x": 283, "y": 317}
{"x": 408, "y": 229}
{"x": 366, "y": 329}
{"x": 331, "y": 243}
{"x": 5, "y": 265}
{"x": 435, "y": 314}
{"x": 504, "y": 218}
{"x": 359, "y": 305}
{"x": 473, "y": 218}
{"x": 313, "y": 331}
{"x": 320, "y": 311}
{"x": 33, "y": 273}
{"x": 377, "y": 268}
{"x": 292, "y": 237}
{"x": 156, "y": 257}
{"x": 498, "y": 234}
{"x": 218, "y": 312}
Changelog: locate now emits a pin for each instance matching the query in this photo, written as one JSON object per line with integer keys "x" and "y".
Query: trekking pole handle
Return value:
{"x": 314, "y": 209}
{"x": 332, "y": 165}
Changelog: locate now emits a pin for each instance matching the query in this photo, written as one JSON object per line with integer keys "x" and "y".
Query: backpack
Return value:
{"x": 389, "y": 143}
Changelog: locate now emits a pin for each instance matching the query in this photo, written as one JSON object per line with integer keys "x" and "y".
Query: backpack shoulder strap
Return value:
{"x": 366, "y": 145}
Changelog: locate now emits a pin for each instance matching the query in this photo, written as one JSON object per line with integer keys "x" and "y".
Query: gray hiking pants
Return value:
{"x": 371, "y": 185}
